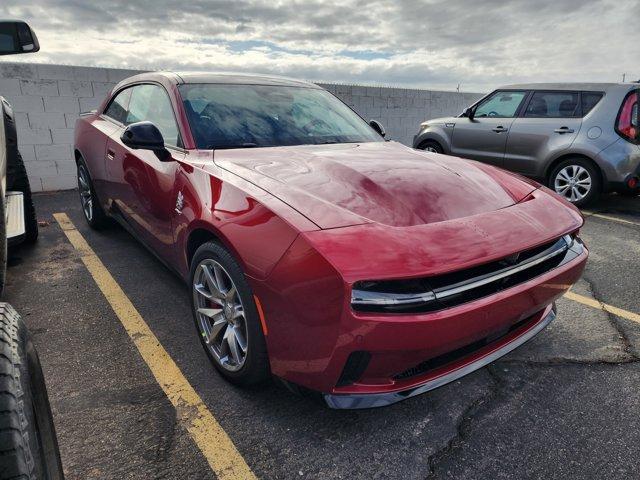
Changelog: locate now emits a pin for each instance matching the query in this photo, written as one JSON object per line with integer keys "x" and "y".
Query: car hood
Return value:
{"x": 378, "y": 182}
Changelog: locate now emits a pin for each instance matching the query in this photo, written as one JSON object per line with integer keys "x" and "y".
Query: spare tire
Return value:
{"x": 28, "y": 444}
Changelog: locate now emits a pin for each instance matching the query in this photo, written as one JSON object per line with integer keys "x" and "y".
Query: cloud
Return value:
{"x": 431, "y": 43}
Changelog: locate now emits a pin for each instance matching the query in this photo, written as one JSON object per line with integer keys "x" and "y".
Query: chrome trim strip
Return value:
{"x": 543, "y": 256}
{"x": 364, "y": 297}
{"x": 373, "y": 400}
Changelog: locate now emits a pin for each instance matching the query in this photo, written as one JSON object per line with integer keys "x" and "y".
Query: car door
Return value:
{"x": 145, "y": 185}
{"x": 548, "y": 124}
{"x": 484, "y": 137}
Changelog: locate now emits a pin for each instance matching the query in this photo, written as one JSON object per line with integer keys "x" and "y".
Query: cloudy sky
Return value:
{"x": 429, "y": 43}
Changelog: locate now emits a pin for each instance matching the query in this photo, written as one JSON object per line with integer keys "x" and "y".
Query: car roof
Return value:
{"x": 597, "y": 87}
{"x": 221, "y": 78}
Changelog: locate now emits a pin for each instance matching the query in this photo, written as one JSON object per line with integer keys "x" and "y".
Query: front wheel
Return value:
{"x": 577, "y": 180}
{"x": 226, "y": 316}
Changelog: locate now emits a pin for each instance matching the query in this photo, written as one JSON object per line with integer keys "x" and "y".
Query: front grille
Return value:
{"x": 462, "y": 352}
{"x": 451, "y": 289}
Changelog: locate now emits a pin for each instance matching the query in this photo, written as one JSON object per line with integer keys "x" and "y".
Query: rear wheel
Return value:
{"x": 91, "y": 208}
{"x": 431, "y": 146}
{"x": 226, "y": 316}
{"x": 577, "y": 180}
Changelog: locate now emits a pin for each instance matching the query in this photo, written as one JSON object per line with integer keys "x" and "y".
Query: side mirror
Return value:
{"x": 468, "y": 112}
{"x": 377, "y": 126}
{"x": 145, "y": 136}
{"x": 17, "y": 37}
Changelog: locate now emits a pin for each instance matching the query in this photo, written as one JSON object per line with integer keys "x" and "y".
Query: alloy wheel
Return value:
{"x": 220, "y": 314}
{"x": 573, "y": 182}
{"x": 84, "y": 187}
{"x": 431, "y": 149}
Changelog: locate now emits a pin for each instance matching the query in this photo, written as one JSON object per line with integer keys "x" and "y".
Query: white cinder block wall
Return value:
{"x": 47, "y": 100}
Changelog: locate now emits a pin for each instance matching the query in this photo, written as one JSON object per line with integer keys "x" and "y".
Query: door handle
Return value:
{"x": 500, "y": 129}
{"x": 111, "y": 154}
{"x": 564, "y": 130}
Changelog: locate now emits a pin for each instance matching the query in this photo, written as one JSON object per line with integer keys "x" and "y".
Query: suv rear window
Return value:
{"x": 590, "y": 100}
{"x": 553, "y": 105}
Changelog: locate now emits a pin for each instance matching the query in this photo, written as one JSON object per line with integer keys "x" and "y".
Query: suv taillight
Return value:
{"x": 627, "y": 123}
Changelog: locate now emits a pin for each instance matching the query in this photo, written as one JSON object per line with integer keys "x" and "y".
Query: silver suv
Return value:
{"x": 579, "y": 139}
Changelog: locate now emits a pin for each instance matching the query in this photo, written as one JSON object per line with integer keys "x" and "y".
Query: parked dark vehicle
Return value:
{"x": 28, "y": 444}
{"x": 579, "y": 139}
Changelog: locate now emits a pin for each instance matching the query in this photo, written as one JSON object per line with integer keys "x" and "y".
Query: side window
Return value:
{"x": 117, "y": 109}
{"x": 151, "y": 103}
{"x": 590, "y": 100}
{"x": 553, "y": 105}
{"x": 500, "y": 105}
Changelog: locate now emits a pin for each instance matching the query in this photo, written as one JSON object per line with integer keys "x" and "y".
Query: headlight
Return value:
{"x": 393, "y": 296}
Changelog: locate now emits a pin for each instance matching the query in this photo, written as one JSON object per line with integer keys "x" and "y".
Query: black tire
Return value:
{"x": 28, "y": 445}
{"x": 591, "y": 169}
{"x": 98, "y": 219}
{"x": 431, "y": 146}
{"x": 18, "y": 181}
{"x": 3, "y": 247}
{"x": 255, "y": 369}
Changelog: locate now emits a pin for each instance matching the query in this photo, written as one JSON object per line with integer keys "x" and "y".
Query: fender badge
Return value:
{"x": 179, "y": 202}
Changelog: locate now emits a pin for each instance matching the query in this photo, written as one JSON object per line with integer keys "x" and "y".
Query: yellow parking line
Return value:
{"x": 614, "y": 219}
{"x": 591, "y": 302}
{"x": 216, "y": 446}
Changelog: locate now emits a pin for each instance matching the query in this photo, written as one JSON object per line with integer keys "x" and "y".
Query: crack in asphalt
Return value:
{"x": 463, "y": 422}
{"x": 627, "y": 346}
{"x": 469, "y": 414}
{"x": 165, "y": 447}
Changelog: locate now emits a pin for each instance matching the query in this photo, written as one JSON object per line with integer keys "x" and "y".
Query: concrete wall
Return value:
{"x": 47, "y": 100}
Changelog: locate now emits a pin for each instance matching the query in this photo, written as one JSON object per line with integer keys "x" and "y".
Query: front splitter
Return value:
{"x": 373, "y": 400}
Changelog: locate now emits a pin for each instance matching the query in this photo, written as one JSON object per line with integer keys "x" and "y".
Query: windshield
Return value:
{"x": 242, "y": 116}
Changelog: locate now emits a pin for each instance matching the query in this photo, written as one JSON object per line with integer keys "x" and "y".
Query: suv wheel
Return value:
{"x": 577, "y": 180}
{"x": 431, "y": 146}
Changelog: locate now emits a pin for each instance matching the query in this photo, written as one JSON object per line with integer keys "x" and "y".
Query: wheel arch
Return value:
{"x": 199, "y": 234}
{"x": 433, "y": 135}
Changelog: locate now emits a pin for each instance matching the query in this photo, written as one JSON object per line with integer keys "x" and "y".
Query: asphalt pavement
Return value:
{"x": 566, "y": 405}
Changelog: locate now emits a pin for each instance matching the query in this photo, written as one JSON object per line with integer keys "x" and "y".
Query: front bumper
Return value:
{"x": 481, "y": 359}
{"x": 313, "y": 332}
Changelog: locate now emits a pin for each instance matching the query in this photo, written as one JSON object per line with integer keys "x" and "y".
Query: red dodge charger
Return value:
{"x": 316, "y": 251}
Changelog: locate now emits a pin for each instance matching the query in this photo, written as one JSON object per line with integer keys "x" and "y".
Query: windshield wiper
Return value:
{"x": 227, "y": 147}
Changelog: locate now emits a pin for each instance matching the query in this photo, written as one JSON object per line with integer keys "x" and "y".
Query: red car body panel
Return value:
{"x": 308, "y": 222}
